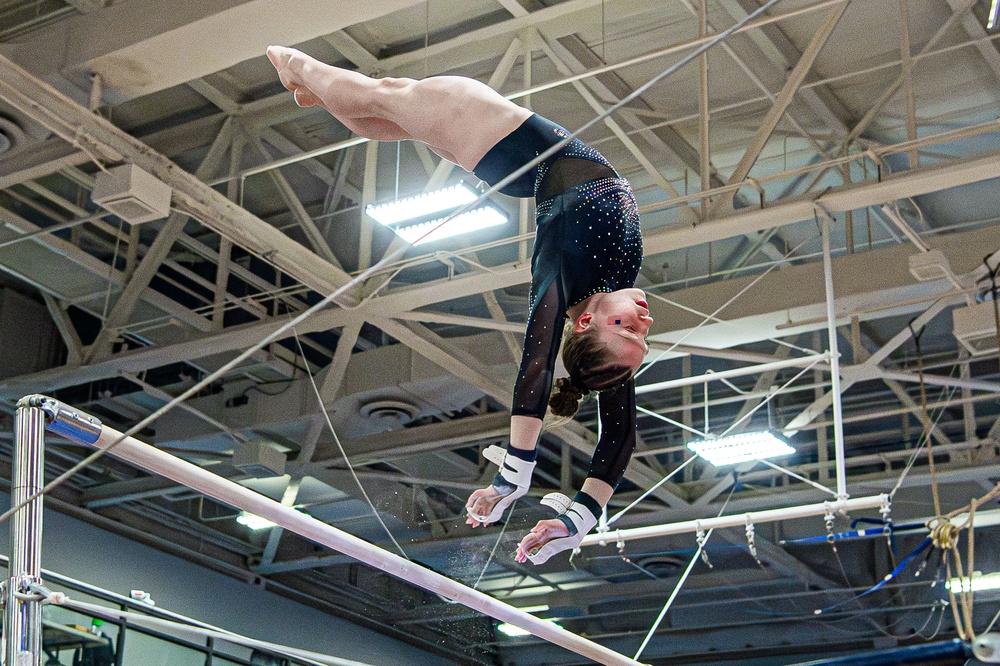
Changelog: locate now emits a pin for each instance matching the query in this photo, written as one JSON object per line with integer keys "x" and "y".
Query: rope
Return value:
{"x": 975, "y": 504}
{"x": 944, "y": 533}
{"x": 340, "y": 447}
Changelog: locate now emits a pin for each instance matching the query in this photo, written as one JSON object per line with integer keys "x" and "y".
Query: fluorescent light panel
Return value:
{"x": 512, "y": 630}
{"x": 421, "y": 205}
{"x": 474, "y": 220}
{"x": 977, "y": 583}
{"x": 733, "y": 449}
{"x": 254, "y": 521}
{"x": 540, "y": 608}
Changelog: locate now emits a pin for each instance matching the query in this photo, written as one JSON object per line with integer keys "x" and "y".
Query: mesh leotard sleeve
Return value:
{"x": 541, "y": 347}
{"x": 617, "y": 441}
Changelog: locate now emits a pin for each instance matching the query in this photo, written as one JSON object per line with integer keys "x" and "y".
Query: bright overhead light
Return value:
{"x": 744, "y": 447}
{"x": 513, "y": 631}
{"x": 540, "y": 608}
{"x": 977, "y": 583}
{"x": 991, "y": 21}
{"x": 421, "y": 205}
{"x": 474, "y": 220}
{"x": 254, "y": 521}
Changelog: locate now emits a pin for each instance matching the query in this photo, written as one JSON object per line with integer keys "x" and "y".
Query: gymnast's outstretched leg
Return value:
{"x": 457, "y": 117}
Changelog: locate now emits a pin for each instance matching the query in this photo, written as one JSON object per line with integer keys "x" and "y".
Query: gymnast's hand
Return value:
{"x": 540, "y": 534}
{"x": 481, "y": 503}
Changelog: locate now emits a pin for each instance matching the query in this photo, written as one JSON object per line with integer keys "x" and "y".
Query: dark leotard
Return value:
{"x": 588, "y": 241}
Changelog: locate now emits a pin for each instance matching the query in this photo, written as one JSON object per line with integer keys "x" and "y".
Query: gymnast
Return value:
{"x": 588, "y": 247}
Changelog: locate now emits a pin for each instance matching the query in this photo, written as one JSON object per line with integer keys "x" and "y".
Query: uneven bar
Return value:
{"x": 736, "y": 520}
{"x": 151, "y": 459}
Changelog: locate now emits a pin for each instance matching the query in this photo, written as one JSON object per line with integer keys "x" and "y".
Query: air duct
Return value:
{"x": 259, "y": 459}
{"x": 929, "y": 266}
{"x": 975, "y": 327}
{"x": 132, "y": 194}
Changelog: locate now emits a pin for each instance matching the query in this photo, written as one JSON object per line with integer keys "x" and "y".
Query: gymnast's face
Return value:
{"x": 620, "y": 320}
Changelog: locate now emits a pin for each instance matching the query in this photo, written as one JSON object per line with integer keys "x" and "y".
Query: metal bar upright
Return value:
{"x": 22, "y": 619}
{"x": 831, "y": 327}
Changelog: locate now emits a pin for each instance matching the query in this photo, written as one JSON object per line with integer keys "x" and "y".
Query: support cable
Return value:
{"x": 357, "y": 480}
{"x": 712, "y": 316}
{"x": 340, "y": 447}
{"x": 652, "y": 489}
{"x": 801, "y": 478}
{"x": 680, "y": 583}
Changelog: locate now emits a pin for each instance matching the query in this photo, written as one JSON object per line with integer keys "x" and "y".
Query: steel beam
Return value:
{"x": 72, "y": 121}
{"x": 784, "y": 98}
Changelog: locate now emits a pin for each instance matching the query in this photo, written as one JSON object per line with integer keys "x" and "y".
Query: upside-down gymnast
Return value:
{"x": 588, "y": 248}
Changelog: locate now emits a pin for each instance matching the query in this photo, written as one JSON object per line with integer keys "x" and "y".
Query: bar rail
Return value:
{"x": 737, "y": 520}
{"x": 70, "y": 423}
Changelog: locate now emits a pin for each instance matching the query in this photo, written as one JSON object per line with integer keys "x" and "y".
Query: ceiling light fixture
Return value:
{"x": 540, "y": 608}
{"x": 421, "y": 205}
{"x": 254, "y": 521}
{"x": 976, "y": 583}
{"x": 418, "y": 219}
{"x": 514, "y": 631}
{"x": 433, "y": 230}
{"x": 733, "y": 449}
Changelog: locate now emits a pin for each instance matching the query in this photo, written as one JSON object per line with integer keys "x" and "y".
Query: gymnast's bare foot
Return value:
{"x": 289, "y": 64}
{"x": 542, "y": 533}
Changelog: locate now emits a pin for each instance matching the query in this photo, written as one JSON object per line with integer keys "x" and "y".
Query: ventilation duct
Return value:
{"x": 11, "y": 135}
{"x": 132, "y": 194}
{"x": 929, "y": 266}
{"x": 389, "y": 413}
{"x": 975, "y": 327}
{"x": 259, "y": 459}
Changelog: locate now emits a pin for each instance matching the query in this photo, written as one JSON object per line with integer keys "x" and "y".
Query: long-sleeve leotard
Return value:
{"x": 588, "y": 240}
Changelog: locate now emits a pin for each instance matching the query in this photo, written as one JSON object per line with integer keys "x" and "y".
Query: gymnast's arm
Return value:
{"x": 538, "y": 360}
{"x": 614, "y": 449}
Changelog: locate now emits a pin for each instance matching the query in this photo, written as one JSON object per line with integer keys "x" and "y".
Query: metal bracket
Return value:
{"x": 64, "y": 420}
{"x": 701, "y": 539}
